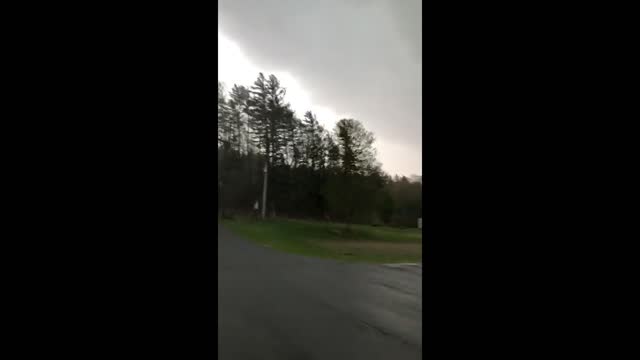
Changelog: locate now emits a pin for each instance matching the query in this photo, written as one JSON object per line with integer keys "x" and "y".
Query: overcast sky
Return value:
{"x": 339, "y": 58}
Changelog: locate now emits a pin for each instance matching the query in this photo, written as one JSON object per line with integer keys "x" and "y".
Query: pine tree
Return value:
{"x": 257, "y": 111}
{"x": 270, "y": 121}
{"x": 237, "y": 105}
{"x": 223, "y": 116}
{"x": 351, "y": 191}
{"x": 268, "y": 116}
{"x": 313, "y": 143}
{"x": 332, "y": 152}
{"x": 357, "y": 155}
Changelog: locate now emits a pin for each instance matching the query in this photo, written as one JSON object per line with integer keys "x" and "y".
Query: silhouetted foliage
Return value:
{"x": 312, "y": 172}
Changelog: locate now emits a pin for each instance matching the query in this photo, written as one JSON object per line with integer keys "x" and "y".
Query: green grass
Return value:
{"x": 360, "y": 243}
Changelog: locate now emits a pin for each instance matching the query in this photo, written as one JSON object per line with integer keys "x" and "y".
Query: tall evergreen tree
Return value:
{"x": 223, "y": 116}
{"x": 258, "y": 112}
{"x": 270, "y": 119}
{"x": 237, "y": 105}
{"x": 314, "y": 148}
{"x": 357, "y": 155}
{"x": 268, "y": 116}
{"x": 351, "y": 190}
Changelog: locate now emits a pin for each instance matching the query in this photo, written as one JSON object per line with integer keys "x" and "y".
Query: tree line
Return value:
{"x": 311, "y": 172}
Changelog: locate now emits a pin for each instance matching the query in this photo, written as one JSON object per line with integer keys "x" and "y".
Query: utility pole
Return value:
{"x": 264, "y": 191}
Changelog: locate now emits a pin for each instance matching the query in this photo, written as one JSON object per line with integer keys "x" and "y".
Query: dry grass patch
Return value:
{"x": 409, "y": 250}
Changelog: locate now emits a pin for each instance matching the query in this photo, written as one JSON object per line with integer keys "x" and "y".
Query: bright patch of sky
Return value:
{"x": 235, "y": 68}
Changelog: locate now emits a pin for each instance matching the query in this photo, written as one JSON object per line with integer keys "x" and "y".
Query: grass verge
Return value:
{"x": 360, "y": 243}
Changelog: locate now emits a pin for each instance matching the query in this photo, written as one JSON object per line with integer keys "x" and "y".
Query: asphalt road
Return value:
{"x": 273, "y": 305}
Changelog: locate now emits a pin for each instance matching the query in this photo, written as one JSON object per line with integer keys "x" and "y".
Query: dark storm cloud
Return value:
{"x": 357, "y": 57}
